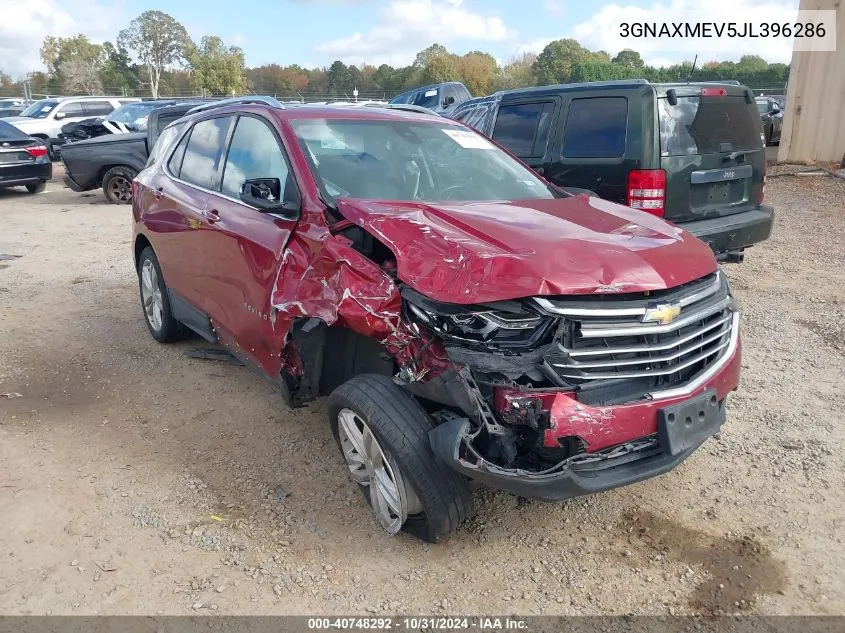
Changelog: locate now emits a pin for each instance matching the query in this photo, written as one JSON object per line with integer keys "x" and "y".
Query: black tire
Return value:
{"x": 401, "y": 426}
{"x": 37, "y": 188}
{"x": 117, "y": 184}
{"x": 170, "y": 330}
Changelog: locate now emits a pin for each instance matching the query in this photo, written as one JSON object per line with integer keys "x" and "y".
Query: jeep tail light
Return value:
{"x": 647, "y": 190}
{"x": 762, "y": 193}
{"x": 37, "y": 151}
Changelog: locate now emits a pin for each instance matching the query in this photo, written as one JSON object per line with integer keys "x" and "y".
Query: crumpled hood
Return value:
{"x": 474, "y": 252}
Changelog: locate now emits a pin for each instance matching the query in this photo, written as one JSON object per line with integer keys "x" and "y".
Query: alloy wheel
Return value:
{"x": 151, "y": 295}
{"x": 391, "y": 497}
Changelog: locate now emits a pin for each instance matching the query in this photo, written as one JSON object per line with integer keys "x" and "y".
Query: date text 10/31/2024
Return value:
{"x": 419, "y": 623}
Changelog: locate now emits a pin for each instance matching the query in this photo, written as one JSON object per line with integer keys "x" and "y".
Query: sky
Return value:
{"x": 316, "y": 32}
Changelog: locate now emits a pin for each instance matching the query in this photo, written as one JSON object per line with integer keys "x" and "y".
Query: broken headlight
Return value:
{"x": 505, "y": 325}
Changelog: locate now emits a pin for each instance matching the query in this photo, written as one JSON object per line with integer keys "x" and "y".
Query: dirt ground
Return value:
{"x": 137, "y": 480}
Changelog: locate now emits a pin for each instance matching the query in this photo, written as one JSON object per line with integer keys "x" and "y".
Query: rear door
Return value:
{"x": 243, "y": 249}
{"x": 523, "y": 125}
{"x": 181, "y": 219}
{"x": 598, "y": 142}
{"x": 711, "y": 150}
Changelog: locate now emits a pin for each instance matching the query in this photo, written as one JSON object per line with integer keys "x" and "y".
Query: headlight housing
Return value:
{"x": 504, "y": 325}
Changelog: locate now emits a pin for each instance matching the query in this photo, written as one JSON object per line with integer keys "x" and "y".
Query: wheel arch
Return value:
{"x": 141, "y": 242}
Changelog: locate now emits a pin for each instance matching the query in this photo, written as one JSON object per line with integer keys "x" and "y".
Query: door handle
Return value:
{"x": 211, "y": 215}
{"x": 540, "y": 170}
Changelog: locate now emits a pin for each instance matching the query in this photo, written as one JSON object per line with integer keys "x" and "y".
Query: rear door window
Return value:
{"x": 163, "y": 142}
{"x": 203, "y": 150}
{"x": 71, "y": 109}
{"x": 524, "y": 128}
{"x": 707, "y": 125}
{"x": 98, "y": 108}
{"x": 596, "y": 127}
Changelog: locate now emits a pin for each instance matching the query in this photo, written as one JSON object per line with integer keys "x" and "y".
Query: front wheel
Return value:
{"x": 117, "y": 184}
{"x": 382, "y": 433}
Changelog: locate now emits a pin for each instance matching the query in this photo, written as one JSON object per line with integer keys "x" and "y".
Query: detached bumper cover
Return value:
{"x": 734, "y": 232}
{"x": 623, "y": 441}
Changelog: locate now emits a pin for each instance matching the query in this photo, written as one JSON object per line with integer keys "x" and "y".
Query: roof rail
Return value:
{"x": 403, "y": 106}
{"x": 270, "y": 101}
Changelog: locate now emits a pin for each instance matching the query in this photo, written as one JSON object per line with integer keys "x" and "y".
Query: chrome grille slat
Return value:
{"x": 654, "y": 348}
{"x": 604, "y": 330}
{"x": 646, "y": 360}
{"x": 611, "y": 342}
{"x": 648, "y": 373}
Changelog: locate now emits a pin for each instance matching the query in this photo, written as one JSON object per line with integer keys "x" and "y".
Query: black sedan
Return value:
{"x": 23, "y": 160}
{"x": 771, "y": 116}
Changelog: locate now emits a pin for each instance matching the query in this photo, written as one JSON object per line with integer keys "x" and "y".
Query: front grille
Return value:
{"x": 611, "y": 342}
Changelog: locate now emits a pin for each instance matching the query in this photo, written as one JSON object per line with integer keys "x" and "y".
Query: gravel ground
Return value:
{"x": 137, "y": 480}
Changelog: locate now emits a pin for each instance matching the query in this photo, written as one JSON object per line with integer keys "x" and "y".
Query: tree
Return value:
{"x": 427, "y": 54}
{"x": 117, "y": 73}
{"x": 158, "y": 41}
{"x": 80, "y": 76}
{"x": 340, "y": 78}
{"x": 752, "y": 64}
{"x": 517, "y": 73}
{"x": 554, "y": 64}
{"x": 629, "y": 58}
{"x": 476, "y": 70}
{"x": 215, "y": 67}
{"x": 439, "y": 69}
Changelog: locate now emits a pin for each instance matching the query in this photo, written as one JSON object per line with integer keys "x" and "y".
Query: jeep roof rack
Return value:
{"x": 270, "y": 101}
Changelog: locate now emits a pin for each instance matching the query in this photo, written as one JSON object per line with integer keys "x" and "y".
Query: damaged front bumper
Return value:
{"x": 625, "y": 443}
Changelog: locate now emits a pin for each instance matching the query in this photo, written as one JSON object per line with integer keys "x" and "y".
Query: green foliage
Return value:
{"x": 216, "y": 68}
{"x": 157, "y": 40}
{"x": 440, "y": 68}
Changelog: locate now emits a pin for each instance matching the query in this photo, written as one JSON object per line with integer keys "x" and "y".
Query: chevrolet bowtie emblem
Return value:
{"x": 662, "y": 313}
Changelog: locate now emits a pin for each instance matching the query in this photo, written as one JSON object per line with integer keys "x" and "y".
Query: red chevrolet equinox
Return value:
{"x": 468, "y": 320}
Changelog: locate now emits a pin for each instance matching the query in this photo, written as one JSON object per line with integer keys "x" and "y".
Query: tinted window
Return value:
{"x": 254, "y": 153}
{"x": 40, "y": 109}
{"x": 596, "y": 128}
{"x": 707, "y": 125}
{"x": 98, "y": 108}
{"x": 429, "y": 98}
{"x": 524, "y": 128}
{"x": 203, "y": 150}
{"x": 72, "y": 109}
{"x": 175, "y": 162}
{"x": 163, "y": 142}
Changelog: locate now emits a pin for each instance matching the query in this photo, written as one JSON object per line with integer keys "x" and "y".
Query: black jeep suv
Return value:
{"x": 691, "y": 153}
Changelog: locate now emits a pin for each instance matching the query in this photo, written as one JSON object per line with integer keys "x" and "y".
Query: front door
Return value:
{"x": 244, "y": 249}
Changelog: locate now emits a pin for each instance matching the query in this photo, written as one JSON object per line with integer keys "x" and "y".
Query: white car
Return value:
{"x": 44, "y": 119}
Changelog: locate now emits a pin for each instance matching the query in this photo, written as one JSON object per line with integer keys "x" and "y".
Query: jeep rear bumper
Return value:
{"x": 624, "y": 443}
{"x": 733, "y": 232}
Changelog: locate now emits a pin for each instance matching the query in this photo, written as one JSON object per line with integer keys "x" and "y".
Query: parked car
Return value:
{"x": 131, "y": 117}
{"x": 112, "y": 161}
{"x": 44, "y": 119}
{"x": 23, "y": 160}
{"x": 467, "y": 319}
{"x": 690, "y": 153}
{"x": 440, "y": 98}
{"x": 771, "y": 117}
{"x": 11, "y": 107}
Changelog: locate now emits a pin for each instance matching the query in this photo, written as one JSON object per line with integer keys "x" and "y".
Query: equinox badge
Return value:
{"x": 662, "y": 313}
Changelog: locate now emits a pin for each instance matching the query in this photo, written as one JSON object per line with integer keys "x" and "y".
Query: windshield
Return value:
{"x": 707, "y": 125}
{"x": 412, "y": 161}
{"x": 134, "y": 115}
{"x": 40, "y": 109}
{"x": 427, "y": 98}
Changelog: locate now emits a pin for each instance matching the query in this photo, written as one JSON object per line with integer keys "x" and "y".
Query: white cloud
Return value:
{"x": 404, "y": 27}
{"x": 602, "y": 31}
{"x": 24, "y": 24}
{"x": 553, "y": 6}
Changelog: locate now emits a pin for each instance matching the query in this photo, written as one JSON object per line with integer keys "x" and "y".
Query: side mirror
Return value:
{"x": 265, "y": 194}
{"x": 448, "y": 101}
{"x": 775, "y": 108}
{"x": 60, "y": 115}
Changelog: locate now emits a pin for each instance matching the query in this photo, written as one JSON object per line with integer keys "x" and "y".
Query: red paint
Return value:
{"x": 601, "y": 427}
{"x": 489, "y": 251}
